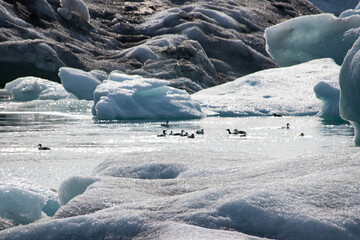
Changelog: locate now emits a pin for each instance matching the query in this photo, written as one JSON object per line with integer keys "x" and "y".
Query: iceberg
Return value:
{"x": 349, "y": 81}
{"x": 78, "y": 82}
{"x": 287, "y": 91}
{"x": 312, "y": 37}
{"x": 142, "y": 98}
{"x": 33, "y": 88}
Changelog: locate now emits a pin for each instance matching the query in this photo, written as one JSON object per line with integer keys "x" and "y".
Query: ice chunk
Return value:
{"x": 77, "y": 7}
{"x": 80, "y": 83}
{"x": 32, "y": 88}
{"x": 350, "y": 89}
{"x": 288, "y": 91}
{"x": 142, "y": 98}
{"x": 330, "y": 97}
{"x": 74, "y": 186}
{"x": 20, "y": 206}
{"x": 22, "y": 202}
{"x": 311, "y": 37}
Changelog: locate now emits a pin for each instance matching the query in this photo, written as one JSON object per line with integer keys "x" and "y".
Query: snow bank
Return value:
{"x": 287, "y": 91}
{"x": 32, "y": 88}
{"x": 349, "y": 89}
{"x": 330, "y": 96}
{"x": 80, "y": 83}
{"x": 142, "y": 98}
{"x": 311, "y": 37}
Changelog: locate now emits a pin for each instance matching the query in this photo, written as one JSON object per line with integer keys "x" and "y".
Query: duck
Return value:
{"x": 239, "y": 132}
{"x": 40, "y": 147}
{"x": 302, "y": 135}
{"x": 165, "y": 124}
{"x": 163, "y": 134}
{"x": 200, "y": 131}
{"x": 277, "y": 115}
{"x": 191, "y": 136}
{"x": 242, "y": 133}
{"x": 180, "y": 133}
{"x": 287, "y": 126}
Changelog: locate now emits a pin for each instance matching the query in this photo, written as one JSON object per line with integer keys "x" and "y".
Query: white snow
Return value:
{"x": 142, "y": 98}
{"x": 287, "y": 91}
{"x": 311, "y": 37}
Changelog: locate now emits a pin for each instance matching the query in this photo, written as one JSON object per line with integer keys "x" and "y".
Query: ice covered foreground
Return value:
{"x": 135, "y": 97}
{"x": 173, "y": 195}
{"x": 311, "y": 37}
{"x": 287, "y": 91}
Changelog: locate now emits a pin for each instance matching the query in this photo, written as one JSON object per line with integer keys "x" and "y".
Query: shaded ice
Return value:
{"x": 287, "y": 91}
{"x": 22, "y": 202}
{"x": 311, "y": 37}
{"x": 349, "y": 89}
{"x": 334, "y": 6}
{"x": 330, "y": 96}
{"x": 78, "y": 82}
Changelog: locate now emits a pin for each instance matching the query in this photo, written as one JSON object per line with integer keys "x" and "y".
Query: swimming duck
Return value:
{"x": 40, "y": 147}
{"x": 180, "y": 133}
{"x": 165, "y": 124}
{"x": 200, "y": 131}
{"x": 277, "y": 115}
{"x": 191, "y": 136}
{"x": 163, "y": 134}
{"x": 242, "y": 133}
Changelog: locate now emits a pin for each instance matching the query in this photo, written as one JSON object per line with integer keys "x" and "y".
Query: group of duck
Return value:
{"x": 241, "y": 133}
